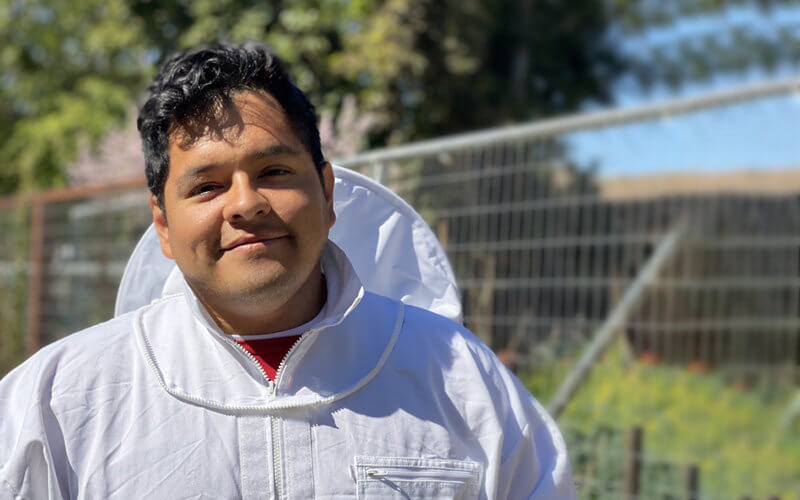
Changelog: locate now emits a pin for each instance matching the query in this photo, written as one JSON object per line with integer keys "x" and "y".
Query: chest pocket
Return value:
{"x": 427, "y": 478}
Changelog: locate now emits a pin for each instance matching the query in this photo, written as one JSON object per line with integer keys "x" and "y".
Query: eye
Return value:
{"x": 274, "y": 171}
{"x": 203, "y": 189}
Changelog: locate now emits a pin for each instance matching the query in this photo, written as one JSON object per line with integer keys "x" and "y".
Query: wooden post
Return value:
{"x": 633, "y": 463}
{"x": 35, "y": 272}
{"x": 691, "y": 482}
{"x": 482, "y": 300}
{"x": 442, "y": 232}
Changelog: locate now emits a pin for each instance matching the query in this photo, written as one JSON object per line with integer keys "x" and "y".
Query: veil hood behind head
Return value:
{"x": 392, "y": 249}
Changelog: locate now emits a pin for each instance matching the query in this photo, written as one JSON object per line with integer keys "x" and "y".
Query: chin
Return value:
{"x": 267, "y": 290}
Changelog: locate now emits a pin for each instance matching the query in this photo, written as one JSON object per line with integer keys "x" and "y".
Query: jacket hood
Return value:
{"x": 392, "y": 249}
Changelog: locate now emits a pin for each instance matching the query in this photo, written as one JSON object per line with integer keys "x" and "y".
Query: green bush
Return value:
{"x": 736, "y": 436}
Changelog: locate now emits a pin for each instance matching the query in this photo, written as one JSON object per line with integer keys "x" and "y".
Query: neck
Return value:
{"x": 259, "y": 318}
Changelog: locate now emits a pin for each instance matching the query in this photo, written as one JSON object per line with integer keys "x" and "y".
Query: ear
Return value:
{"x": 160, "y": 223}
{"x": 328, "y": 182}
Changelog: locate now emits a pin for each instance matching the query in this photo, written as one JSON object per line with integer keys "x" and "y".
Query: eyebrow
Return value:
{"x": 269, "y": 151}
{"x": 273, "y": 150}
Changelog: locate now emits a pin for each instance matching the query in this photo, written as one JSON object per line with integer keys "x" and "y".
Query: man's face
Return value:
{"x": 246, "y": 214}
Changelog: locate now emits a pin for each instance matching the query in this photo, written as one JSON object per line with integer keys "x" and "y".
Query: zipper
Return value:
{"x": 273, "y": 421}
{"x": 406, "y": 474}
{"x": 270, "y": 383}
{"x": 277, "y": 465}
{"x": 274, "y": 424}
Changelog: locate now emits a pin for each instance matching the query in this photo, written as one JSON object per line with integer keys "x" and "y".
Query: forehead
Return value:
{"x": 251, "y": 120}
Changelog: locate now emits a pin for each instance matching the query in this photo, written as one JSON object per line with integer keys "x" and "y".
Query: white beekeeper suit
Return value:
{"x": 380, "y": 398}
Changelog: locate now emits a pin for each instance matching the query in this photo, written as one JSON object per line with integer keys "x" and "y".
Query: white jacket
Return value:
{"x": 379, "y": 400}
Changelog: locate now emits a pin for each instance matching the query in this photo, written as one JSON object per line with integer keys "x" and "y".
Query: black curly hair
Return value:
{"x": 194, "y": 85}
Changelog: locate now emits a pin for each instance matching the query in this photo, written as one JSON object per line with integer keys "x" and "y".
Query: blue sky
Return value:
{"x": 761, "y": 134}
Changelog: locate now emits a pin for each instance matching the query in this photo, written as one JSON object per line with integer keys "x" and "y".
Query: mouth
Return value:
{"x": 250, "y": 244}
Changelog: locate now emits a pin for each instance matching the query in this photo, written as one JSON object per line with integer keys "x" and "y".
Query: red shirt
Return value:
{"x": 269, "y": 349}
{"x": 269, "y": 352}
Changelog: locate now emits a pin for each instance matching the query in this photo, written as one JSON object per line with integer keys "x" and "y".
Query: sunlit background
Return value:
{"x": 623, "y": 215}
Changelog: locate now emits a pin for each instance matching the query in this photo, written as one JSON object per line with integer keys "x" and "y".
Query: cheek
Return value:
{"x": 296, "y": 209}
{"x": 196, "y": 230}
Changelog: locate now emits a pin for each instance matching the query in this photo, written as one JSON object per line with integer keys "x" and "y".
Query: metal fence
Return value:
{"x": 541, "y": 251}
{"x": 61, "y": 261}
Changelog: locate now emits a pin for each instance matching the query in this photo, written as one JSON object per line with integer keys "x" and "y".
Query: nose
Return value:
{"x": 244, "y": 201}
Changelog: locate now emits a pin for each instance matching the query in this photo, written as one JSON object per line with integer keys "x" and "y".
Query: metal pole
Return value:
{"x": 613, "y": 323}
{"x": 580, "y": 121}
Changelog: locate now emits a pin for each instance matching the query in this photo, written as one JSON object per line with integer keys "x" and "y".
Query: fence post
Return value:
{"x": 442, "y": 232}
{"x": 692, "y": 482}
{"x": 633, "y": 463}
{"x": 36, "y": 271}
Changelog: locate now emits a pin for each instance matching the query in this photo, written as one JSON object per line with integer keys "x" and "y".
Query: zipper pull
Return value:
{"x": 377, "y": 473}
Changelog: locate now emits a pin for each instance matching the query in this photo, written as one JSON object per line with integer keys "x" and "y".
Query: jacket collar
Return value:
{"x": 344, "y": 291}
{"x": 197, "y": 363}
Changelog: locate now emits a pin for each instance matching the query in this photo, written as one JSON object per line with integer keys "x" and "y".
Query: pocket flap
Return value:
{"x": 406, "y": 477}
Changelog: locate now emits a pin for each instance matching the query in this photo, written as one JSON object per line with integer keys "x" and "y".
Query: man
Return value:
{"x": 267, "y": 371}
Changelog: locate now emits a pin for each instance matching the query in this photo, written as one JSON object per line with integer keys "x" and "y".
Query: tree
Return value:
{"x": 69, "y": 70}
{"x": 422, "y": 68}
{"x": 448, "y": 66}
{"x": 676, "y": 42}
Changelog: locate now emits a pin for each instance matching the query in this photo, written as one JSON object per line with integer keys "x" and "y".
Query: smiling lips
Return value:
{"x": 249, "y": 243}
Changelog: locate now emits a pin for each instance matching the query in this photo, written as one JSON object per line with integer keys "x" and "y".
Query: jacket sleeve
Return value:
{"x": 27, "y": 429}
{"x": 533, "y": 460}
{"x": 539, "y": 447}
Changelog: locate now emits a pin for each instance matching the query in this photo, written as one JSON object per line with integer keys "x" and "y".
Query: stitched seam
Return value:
{"x": 418, "y": 463}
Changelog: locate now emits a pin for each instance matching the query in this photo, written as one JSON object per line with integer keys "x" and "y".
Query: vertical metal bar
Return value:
{"x": 379, "y": 172}
{"x": 35, "y": 275}
{"x": 586, "y": 209}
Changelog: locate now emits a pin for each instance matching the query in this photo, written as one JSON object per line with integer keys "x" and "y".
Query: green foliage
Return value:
{"x": 69, "y": 71}
{"x": 434, "y": 68}
{"x": 735, "y": 436}
{"x": 423, "y": 68}
{"x": 693, "y": 40}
